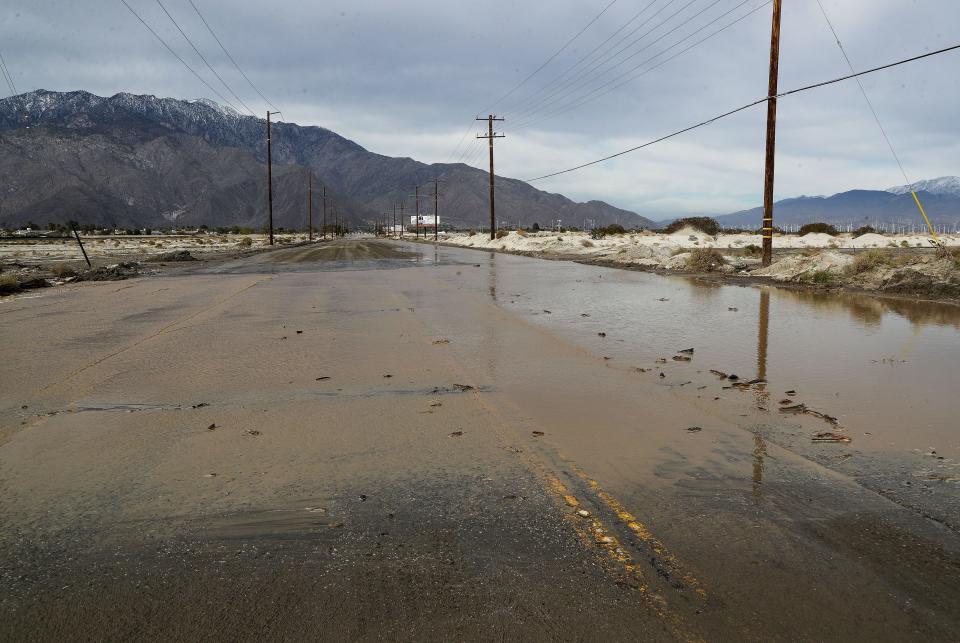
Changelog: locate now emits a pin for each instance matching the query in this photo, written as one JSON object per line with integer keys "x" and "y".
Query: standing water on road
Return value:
{"x": 882, "y": 367}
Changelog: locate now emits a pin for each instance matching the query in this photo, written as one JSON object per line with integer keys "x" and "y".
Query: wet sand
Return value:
{"x": 188, "y": 464}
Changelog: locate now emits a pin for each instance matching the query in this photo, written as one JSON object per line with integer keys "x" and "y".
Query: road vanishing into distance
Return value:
{"x": 360, "y": 440}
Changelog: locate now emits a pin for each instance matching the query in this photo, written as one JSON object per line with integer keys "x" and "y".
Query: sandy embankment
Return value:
{"x": 35, "y": 263}
{"x": 816, "y": 259}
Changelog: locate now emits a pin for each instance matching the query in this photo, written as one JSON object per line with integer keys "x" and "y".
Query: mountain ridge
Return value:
{"x": 140, "y": 138}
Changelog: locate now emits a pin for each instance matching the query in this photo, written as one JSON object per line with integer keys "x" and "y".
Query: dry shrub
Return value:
{"x": 522, "y": 233}
{"x": 8, "y": 284}
{"x": 501, "y": 234}
{"x": 869, "y": 260}
{"x": 63, "y": 270}
{"x": 246, "y": 242}
{"x": 705, "y": 260}
{"x": 586, "y": 243}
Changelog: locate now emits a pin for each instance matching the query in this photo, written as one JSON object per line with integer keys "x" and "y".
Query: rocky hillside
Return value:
{"x": 134, "y": 160}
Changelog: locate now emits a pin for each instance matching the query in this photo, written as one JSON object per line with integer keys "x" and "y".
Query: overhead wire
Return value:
{"x": 637, "y": 53}
{"x": 876, "y": 117}
{"x": 229, "y": 56}
{"x": 532, "y": 74}
{"x": 748, "y": 106}
{"x": 462, "y": 139}
{"x": 178, "y": 57}
{"x": 583, "y": 76}
{"x": 204, "y": 59}
{"x": 630, "y": 75}
{"x": 553, "y": 56}
{"x": 7, "y": 76}
{"x": 524, "y": 102}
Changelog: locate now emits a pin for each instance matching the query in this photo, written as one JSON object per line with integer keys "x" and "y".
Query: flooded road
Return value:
{"x": 380, "y": 440}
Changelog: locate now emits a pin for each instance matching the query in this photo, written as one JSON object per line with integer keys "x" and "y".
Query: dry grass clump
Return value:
{"x": 705, "y": 260}
{"x": 8, "y": 284}
{"x": 819, "y": 277}
{"x": 246, "y": 242}
{"x": 501, "y": 234}
{"x": 954, "y": 253}
{"x": 869, "y": 260}
{"x": 586, "y": 243}
{"x": 522, "y": 233}
{"x": 63, "y": 270}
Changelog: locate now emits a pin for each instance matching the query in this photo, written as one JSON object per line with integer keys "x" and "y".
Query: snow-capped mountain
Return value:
{"x": 142, "y": 160}
{"x": 943, "y": 185}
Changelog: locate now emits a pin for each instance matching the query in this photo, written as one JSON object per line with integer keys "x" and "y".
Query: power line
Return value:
{"x": 581, "y": 75}
{"x": 7, "y": 76}
{"x": 177, "y": 56}
{"x": 864, "y": 92}
{"x": 460, "y": 143}
{"x": 528, "y": 77}
{"x": 748, "y": 106}
{"x": 595, "y": 93}
{"x": 524, "y": 102}
{"x": 245, "y": 77}
{"x": 876, "y": 117}
{"x": 555, "y": 54}
{"x": 203, "y": 58}
{"x": 576, "y": 88}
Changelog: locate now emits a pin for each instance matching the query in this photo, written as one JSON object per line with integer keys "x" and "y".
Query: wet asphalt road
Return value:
{"x": 361, "y": 440}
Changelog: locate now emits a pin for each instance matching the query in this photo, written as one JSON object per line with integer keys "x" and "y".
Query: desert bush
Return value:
{"x": 521, "y": 233}
{"x": 63, "y": 270}
{"x": 598, "y": 233}
{"x": 703, "y": 224}
{"x": 470, "y": 233}
{"x": 705, "y": 260}
{"x": 752, "y": 250}
{"x": 954, "y": 253}
{"x": 8, "y": 284}
{"x": 824, "y": 228}
{"x": 866, "y": 229}
{"x": 246, "y": 242}
{"x": 586, "y": 243}
{"x": 904, "y": 243}
{"x": 616, "y": 228}
{"x": 819, "y": 277}
{"x": 501, "y": 234}
{"x": 869, "y": 260}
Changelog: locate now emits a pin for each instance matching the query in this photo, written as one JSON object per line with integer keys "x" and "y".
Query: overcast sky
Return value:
{"x": 407, "y": 78}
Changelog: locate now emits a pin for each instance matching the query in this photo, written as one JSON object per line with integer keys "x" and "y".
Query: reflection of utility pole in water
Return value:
{"x": 491, "y": 342}
{"x": 763, "y": 395}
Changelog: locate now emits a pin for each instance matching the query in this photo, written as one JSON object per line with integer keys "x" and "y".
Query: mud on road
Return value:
{"x": 372, "y": 440}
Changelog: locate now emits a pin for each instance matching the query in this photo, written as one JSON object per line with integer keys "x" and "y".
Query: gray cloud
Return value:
{"x": 405, "y": 79}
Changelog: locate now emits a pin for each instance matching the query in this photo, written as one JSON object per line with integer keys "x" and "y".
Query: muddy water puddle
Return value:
{"x": 861, "y": 384}
{"x": 884, "y": 369}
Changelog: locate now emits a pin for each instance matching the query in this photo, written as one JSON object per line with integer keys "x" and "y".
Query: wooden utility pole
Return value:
{"x": 436, "y": 211}
{"x": 490, "y": 135}
{"x": 416, "y": 226}
{"x": 324, "y": 197}
{"x": 767, "y": 230}
{"x": 85, "y": 257}
{"x": 270, "y": 177}
{"x": 310, "y": 205}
